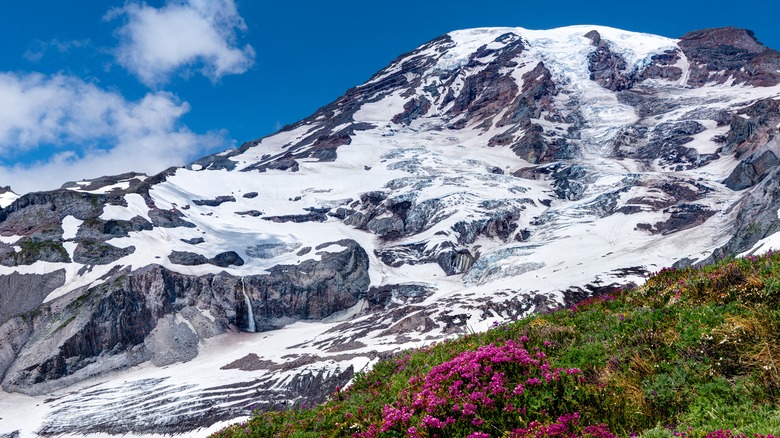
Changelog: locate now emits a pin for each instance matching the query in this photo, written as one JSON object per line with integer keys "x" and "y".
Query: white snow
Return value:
{"x": 7, "y": 198}
{"x": 70, "y": 226}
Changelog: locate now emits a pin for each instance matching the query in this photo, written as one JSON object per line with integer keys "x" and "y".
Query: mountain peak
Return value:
{"x": 487, "y": 174}
{"x": 742, "y": 39}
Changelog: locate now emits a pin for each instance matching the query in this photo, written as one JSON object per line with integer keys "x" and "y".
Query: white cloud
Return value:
{"x": 93, "y": 131}
{"x": 181, "y": 37}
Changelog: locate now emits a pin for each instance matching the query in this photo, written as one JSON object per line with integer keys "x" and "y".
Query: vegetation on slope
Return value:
{"x": 693, "y": 352}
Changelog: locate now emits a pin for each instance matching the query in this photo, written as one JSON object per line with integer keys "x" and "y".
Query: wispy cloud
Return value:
{"x": 39, "y": 48}
{"x": 181, "y": 37}
{"x": 92, "y": 131}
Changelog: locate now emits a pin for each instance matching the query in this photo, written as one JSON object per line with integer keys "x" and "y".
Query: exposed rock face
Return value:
{"x": 719, "y": 54}
{"x": 752, "y": 171}
{"x": 607, "y": 68}
{"x": 131, "y": 317}
{"x": 22, "y": 293}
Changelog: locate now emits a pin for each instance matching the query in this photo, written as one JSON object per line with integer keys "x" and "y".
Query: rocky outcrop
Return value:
{"x": 99, "y": 253}
{"x": 606, "y": 67}
{"x": 132, "y": 317}
{"x": 662, "y": 66}
{"x": 123, "y": 183}
{"x": 751, "y": 171}
{"x": 717, "y": 55}
{"x": 216, "y": 202}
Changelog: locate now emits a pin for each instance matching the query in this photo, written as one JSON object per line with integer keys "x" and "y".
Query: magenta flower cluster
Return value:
{"x": 565, "y": 427}
{"x": 477, "y": 391}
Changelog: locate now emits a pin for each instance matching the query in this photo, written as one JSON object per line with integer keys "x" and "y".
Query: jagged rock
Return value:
{"x": 488, "y": 92}
{"x": 41, "y": 214}
{"x": 682, "y": 217}
{"x": 33, "y": 250}
{"x": 124, "y": 183}
{"x": 102, "y": 230}
{"x": 608, "y": 68}
{"x": 216, "y": 202}
{"x": 718, "y": 54}
{"x": 314, "y": 216}
{"x": 117, "y": 317}
{"x": 90, "y": 252}
{"x": 187, "y": 258}
{"x": 225, "y": 259}
{"x": 169, "y": 219}
{"x": 749, "y": 172}
{"x": 252, "y": 213}
{"x": 413, "y": 109}
{"x": 662, "y": 66}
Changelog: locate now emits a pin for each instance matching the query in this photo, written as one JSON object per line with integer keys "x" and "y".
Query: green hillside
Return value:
{"x": 693, "y": 352}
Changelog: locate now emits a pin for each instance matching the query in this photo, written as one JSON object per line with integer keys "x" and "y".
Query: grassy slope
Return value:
{"x": 692, "y": 352}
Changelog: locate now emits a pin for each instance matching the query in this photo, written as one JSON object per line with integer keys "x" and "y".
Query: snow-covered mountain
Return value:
{"x": 487, "y": 174}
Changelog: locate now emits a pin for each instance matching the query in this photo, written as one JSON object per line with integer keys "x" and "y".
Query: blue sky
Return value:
{"x": 101, "y": 87}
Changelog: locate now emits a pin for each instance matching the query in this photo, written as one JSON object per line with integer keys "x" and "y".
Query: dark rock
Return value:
{"x": 413, "y": 109}
{"x": 169, "y": 219}
{"x": 216, "y": 202}
{"x": 666, "y": 143}
{"x": 594, "y": 36}
{"x": 682, "y": 217}
{"x": 194, "y": 240}
{"x": 753, "y": 127}
{"x": 314, "y": 216}
{"x": 253, "y": 213}
{"x": 33, "y": 250}
{"x": 221, "y": 160}
{"x": 132, "y": 179}
{"x": 535, "y": 97}
{"x": 608, "y": 68}
{"x": 250, "y": 195}
{"x": 491, "y": 90}
{"x": 455, "y": 262}
{"x": 662, "y": 66}
{"x": 716, "y": 55}
{"x": 225, "y": 259}
{"x": 187, "y": 258}
{"x": 647, "y": 104}
{"x": 102, "y": 230}
{"x": 569, "y": 182}
{"x": 90, "y": 252}
{"x": 749, "y": 172}
{"x": 41, "y": 213}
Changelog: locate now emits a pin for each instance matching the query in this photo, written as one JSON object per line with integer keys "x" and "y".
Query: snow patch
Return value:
{"x": 70, "y": 227}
